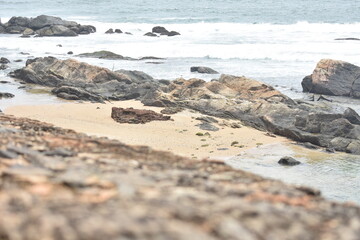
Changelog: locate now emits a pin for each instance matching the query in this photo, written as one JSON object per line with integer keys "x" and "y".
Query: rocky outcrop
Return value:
{"x": 205, "y": 70}
{"x": 161, "y": 31}
{"x": 66, "y": 185}
{"x": 80, "y": 81}
{"x": 45, "y": 26}
{"x": 105, "y": 55}
{"x": 6, "y": 95}
{"x": 136, "y": 116}
{"x": 288, "y": 161}
{"x": 332, "y": 77}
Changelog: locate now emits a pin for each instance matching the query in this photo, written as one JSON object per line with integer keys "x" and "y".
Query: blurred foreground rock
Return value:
{"x": 58, "y": 184}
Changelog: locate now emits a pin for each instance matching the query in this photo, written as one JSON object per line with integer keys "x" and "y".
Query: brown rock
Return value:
{"x": 136, "y": 116}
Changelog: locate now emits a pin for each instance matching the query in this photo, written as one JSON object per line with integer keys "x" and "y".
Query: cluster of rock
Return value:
{"x": 45, "y": 26}
{"x": 161, "y": 31}
{"x": 66, "y": 185}
{"x": 333, "y": 77}
{"x": 4, "y": 63}
{"x": 136, "y": 116}
{"x": 254, "y": 103}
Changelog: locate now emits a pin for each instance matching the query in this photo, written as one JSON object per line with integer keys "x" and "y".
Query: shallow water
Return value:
{"x": 336, "y": 175}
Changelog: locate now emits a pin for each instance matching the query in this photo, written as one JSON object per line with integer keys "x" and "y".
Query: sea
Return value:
{"x": 278, "y": 42}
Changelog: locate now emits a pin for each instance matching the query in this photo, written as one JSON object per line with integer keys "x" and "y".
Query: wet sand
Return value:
{"x": 178, "y": 136}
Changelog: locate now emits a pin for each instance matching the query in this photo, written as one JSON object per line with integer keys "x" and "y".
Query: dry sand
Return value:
{"x": 178, "y": 136}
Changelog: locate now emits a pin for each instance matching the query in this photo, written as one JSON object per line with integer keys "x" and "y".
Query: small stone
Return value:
{"x": 288, "y": 161}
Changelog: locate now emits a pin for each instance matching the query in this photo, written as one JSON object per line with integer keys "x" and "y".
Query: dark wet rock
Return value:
{"x": 118, "y": 31}
{"x": 332, "y": 77}
{"x": 173, "y": 33}
{"x": 348, "y": 39}
{"x": 136, "y": 116}
{"x": 137, "y": 76}
{"x": 6, "y": 95}
{"x": 105, "y": 55}
{"x": 150, "y": 34}
{"x": 163, "y": 31}
{"x": 18, "y": 60}
{"x": 207, "y": 119}
{"x": 206, "y": 70}
{"x": 288, "y": 161}
{"x": 45, "y": 26}
{"x": 59, "y": 45}
{"x": 4, "y": 60}
{"x": 151, "y": 58}
{"x": 70, "y": 52}
{"x": 110, "y": 31}
{"x": 351, "y": 115}
{"x": 74, "y": 93}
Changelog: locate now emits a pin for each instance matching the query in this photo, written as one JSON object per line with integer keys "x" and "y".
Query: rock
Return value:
{"x": 150, "y": 34}
{"x": 70, "y": 53}
{"x": 105, "y": 55}
{"x": 160, "y": 30}
{"x": 171, "y": 110}
{"x": 332, "y": 77}
{"x": 351, "y": 115}
{"x": 3, "y": 66}
{"x": 73, "y": 93}
{"x": 173, "y": 33}
{"x": 45, "y": 26}
{"x": 207, "y": 127}
{"x": 206, "y": 70}
{"x": 110, "y": 31}
{"x": 118, "y": 31}
{"x": 4, "y": 60}
{"x": 56, "y": 31}
{"x": 352, "y": 39}
{"x": 6, "y": 95}
{"x": 136, "y": 116}
{"x": 81, "y": 81}
{"x": 288, "y": 161}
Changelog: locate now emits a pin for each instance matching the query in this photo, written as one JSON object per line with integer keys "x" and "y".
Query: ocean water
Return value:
{"x": 278, "y": 42}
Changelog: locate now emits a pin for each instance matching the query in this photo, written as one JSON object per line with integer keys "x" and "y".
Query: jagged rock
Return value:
{"x": 73, "y": 93}
{"x": 288, "y": 161}
{"x": 136, "y": 116}
{"x": 206, "y": 70}
{"x": 3, "y": 66}
{"x": 332, "y": 77}
{"x": 137, "y": 76}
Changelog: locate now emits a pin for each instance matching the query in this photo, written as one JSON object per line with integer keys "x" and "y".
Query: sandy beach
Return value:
{"x": 178, "y": 136}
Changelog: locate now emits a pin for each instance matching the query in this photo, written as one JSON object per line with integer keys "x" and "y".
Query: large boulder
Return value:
{"x": 47, "y": 21}
{"x": 56, "y": 31}
{"x": 333, "y": 77}
{"x": 69, "y": 77}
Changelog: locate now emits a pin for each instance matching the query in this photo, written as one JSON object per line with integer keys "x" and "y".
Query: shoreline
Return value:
{"x": 178, "y": 136}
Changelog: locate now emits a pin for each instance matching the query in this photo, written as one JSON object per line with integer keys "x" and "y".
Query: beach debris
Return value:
{"x": 288, "y": 161}
{"x": 136, "y": 116}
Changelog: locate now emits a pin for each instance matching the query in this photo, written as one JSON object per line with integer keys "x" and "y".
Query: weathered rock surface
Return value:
{"x": 45, "y": 26}
{"x": 105, "y": 55}
{"x": 77, "y": 80}
{"x": 136, "y": 116}
{"x": 333, "y": 77}
{"x": 162, "y": 31}
{"x": 206, "y": 70}
{"x": 67, "y": 186}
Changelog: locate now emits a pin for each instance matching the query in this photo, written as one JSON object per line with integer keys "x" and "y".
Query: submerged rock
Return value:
{"x": 333, "y": 77}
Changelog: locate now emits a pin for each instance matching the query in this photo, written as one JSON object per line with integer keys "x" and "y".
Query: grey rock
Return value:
{"x": 160, "y": 30}
{"x": 6, "y": 95}
{"x": 4, "y": 60}
{"x": 206, "y": 70}
{"x": 56, "y": 31}
{"x": 150, "y": 34}
{"x": 74, "y": 93}
{"x": 289, "y": 161}
{"x": 110, "y": 31}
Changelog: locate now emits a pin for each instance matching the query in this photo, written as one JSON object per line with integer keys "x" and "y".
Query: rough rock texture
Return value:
{"x": 57, "y": 184}
{"x": 334, "y": 77}
{"x": 91, "y": 81}
{"x": 288, "y": 161}
{"x": 45, "y": 26}
{"x": 136, "y": 116}
{"x": 206, "y": 70}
